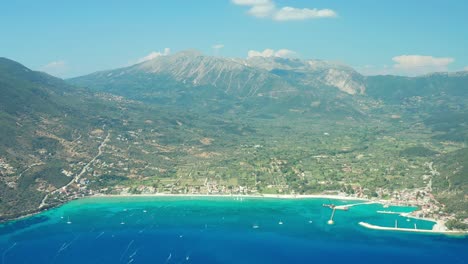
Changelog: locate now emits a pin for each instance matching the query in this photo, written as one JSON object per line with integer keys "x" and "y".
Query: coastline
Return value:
{"x": 275, "y": 196}
{"x": 6, "y": 218}
{"x": 19, "y": 216}
{"x": 438, "y": 228}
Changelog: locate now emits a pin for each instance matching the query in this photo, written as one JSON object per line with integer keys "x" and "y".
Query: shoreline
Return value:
{"x": 274, "y": 196}
{"x": 7, "y": 219}
{"x": 439, "y": 225}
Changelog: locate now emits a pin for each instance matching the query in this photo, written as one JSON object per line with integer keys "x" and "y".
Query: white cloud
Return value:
{"x": 268, "y": 9}
{"x": 291, "y": 13}
{"x": 217, "y": 46}
{"x": 56, "y": 68}
{"x": 282, "y": 53}
{"x": 285, "y": 53}
{"x": 417, "y": 64}
{"x": 154, "y": 54}
{"x": 262, "y": 10}
{"x": 412, "y": 61}
{"x": 265, "y": 53}
{"x": 409, "y": 65}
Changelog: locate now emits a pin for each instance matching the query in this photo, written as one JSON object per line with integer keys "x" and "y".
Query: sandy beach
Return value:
{"x": 276, "y": 196}
{"x": 270, "y": 196}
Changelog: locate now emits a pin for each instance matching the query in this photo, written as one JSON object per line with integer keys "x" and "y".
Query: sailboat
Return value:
{"x": 68, "y": 221}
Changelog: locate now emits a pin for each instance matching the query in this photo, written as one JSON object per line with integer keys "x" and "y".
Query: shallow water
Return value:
{"x": 220, "y": 230}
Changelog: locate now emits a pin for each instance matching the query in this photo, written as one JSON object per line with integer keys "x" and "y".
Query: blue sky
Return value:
{"x": 71, "y": 38}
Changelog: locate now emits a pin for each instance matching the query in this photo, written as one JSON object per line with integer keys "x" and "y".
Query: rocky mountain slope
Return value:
{"x": 312, "y": 73}
{"x": 188, "y": 69}
{"x": 257, "y": 76}
{"x": 223, "y": 85}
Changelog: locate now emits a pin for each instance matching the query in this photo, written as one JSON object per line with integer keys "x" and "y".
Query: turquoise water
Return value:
{"x": 220, "y": 230}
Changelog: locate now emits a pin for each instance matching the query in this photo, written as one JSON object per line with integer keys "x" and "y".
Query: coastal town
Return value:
{"x": 428, "y": 208}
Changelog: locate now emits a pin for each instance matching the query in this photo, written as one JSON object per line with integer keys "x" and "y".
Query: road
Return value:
{"x": 78, "y": 176}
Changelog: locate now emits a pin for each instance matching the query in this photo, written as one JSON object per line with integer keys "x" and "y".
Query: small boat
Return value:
{"x": 68, "y": 221}
{"x": 255, "y": 226}
{"x": 280, "y": 222}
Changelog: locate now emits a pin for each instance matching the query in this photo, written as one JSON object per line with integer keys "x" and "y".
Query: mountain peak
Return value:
{"x": 245, "y": 77}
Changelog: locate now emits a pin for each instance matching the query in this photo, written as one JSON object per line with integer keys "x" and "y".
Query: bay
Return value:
{"x": 220, "y": 230}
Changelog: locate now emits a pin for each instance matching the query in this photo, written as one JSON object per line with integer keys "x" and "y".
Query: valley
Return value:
{"x": 187, "y": 131}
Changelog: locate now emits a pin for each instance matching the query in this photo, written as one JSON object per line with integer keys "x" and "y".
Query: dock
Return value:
{"x": 347, "y": 206}
{"x": 415, "y": 230}
{"x": 390, "y": 212}
{"x": 331, "y": 222}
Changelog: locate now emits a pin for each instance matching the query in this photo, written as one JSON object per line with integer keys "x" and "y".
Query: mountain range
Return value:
{"x": 243, "y": 78}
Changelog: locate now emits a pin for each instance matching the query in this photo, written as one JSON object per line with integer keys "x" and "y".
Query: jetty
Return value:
{"x": 415, "y": 230}
{"x": 347, "y": 206}
{"x": 331, "y": 222}
{"x": 390, "y": 212}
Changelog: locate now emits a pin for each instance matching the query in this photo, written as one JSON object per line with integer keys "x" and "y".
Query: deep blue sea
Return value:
{"x": 220, "y": 230}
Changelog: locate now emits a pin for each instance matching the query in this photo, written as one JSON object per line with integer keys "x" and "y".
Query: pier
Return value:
{"x": 389, "y": 212}
{"x": 330, "y": 222}
{"x": 347, "y": 206}
{"x": 344, "y": 207}
{"x": 415, "y": 230}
